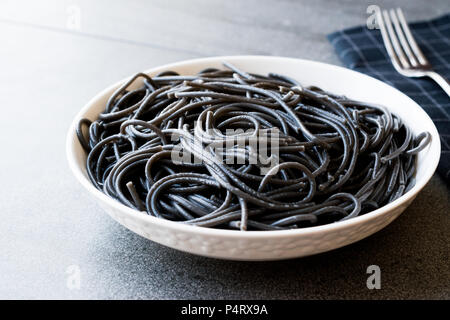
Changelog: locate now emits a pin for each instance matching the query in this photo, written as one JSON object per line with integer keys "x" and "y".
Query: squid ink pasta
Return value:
{"x": 233, "y": 150}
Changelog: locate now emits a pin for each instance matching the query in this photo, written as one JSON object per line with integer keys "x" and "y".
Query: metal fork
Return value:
{"x": 403, "y": 50}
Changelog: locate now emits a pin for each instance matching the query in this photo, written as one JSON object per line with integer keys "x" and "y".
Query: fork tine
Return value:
{"x": 415, "y": 48}
{"x": 387, "y": 41}
{"x": 398, "y": 50}
{"x": 401, "y": 37}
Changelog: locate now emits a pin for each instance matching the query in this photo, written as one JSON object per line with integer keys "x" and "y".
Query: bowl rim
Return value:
{"x": 71, "y": 139}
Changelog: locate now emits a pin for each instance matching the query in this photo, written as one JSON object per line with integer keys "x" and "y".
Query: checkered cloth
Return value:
{"x": 362, "y": 49}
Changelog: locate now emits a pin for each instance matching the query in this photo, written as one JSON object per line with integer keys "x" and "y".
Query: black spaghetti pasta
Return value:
{"x": 229, "y": 149}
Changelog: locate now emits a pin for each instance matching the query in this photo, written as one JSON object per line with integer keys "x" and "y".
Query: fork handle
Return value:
{"x": 440, "y": 80}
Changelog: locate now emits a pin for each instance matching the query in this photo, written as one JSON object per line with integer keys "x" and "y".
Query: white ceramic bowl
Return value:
{"x": 270, "y": 245}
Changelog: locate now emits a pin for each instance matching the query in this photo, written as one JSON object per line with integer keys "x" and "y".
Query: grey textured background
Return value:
{"x": 48, "y": 222}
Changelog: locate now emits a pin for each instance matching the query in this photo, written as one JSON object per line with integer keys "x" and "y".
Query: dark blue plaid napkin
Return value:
{"x": 362, "y": 49}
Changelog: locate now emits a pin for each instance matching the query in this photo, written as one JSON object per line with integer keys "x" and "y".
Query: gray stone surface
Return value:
{"x": 48, "y": 222}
